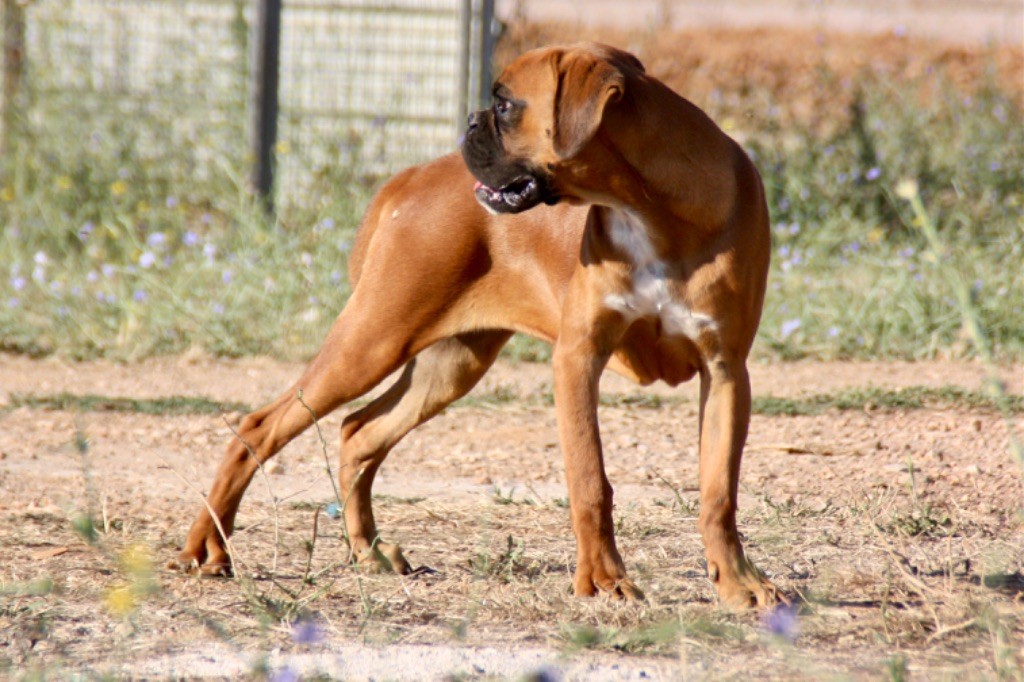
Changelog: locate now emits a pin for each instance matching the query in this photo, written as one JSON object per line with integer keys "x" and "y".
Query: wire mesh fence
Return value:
{"x": 369, "y": 86}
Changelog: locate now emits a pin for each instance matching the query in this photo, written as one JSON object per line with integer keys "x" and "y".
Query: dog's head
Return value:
{"x": 548, "y": 107}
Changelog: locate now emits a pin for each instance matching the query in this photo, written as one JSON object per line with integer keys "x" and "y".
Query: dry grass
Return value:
{"x": 889, "y": 583}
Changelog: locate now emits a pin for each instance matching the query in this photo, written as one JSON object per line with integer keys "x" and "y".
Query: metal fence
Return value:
{"x": 370, "y": 84}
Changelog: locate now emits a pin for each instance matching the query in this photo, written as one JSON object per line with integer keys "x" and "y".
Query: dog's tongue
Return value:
{"x": 478, "y": 185}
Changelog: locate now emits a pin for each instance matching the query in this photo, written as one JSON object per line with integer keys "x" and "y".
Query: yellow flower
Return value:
{"x": 118, "y": 187}
{"x": 875, "y": 235}
{"x": 64, "y": 182}
{"x": 728, "y": 124}
{"x": 136, "y": 560}
{"x": 142, "y": 206}
{"x": 283, "y": 147}
{"x": 121, "y": 600}
{"x": 7, "y": 194}
{"x": 907, "y": 189}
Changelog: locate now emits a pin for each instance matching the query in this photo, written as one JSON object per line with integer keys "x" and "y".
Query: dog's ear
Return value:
{"x": 589, "y": 79}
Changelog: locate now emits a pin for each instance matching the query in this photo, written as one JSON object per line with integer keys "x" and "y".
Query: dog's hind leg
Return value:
{"x": 360, "y": 351}
{"x": 433, "y": 379}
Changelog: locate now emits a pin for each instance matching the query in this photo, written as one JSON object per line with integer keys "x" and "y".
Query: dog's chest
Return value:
{"x": 649, "y": 294}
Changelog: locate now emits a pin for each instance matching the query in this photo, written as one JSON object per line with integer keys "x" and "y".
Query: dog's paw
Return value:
{"x": 747, "y": 588}
{"x": 190, "y": 563}
{"x": 383, "y": 557}
{"x": 624, "y": 589}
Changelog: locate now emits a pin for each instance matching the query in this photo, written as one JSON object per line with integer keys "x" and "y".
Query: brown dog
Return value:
{"x": 662, "y": 278}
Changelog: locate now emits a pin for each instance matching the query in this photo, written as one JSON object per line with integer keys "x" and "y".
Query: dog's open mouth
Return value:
{"x": 522, "y": 193}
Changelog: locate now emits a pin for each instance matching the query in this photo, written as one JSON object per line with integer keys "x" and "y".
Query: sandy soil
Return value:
{"x": 482, "y": 471}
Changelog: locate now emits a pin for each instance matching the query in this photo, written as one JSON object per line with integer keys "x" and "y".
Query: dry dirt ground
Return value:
{"x": 899, "y": 531}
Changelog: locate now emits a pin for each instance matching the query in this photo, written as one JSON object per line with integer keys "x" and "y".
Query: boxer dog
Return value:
{"x": 601, "y": 212}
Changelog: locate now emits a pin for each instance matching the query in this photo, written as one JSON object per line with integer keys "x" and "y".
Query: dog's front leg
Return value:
{"x": 725, "y": 415}
{"x": 580, "y": 356}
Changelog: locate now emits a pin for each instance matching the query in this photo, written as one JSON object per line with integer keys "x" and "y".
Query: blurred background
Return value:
{"x": 189, "y": 174}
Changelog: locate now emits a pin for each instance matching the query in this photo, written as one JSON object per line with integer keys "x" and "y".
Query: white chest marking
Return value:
{"x": 649, "y": 296}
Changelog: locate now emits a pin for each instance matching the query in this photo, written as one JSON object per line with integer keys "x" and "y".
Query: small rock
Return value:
{"x": 972, "y": 469}
{"x": 274, "y": 467}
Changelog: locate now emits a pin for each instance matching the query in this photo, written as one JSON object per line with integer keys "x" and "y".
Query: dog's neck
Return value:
{"x": 701, "y": 188}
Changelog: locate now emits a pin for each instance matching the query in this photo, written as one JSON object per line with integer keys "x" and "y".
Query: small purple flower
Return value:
{"x": 976, "y": 287}
{"x": 86, "y": 230}
{"x": 788, "y": 327}
{"x": 92, "y": 276}
{"x": 841, "y": 178}
{"x": 172, "y": 202}
{"x": 40, "y": 258}
{"x": 794, "y": 228}
{"x": 344, "y": 246}
{"x": 107, "y": 270}
{"x": 147, "y": 259}
{"x": 829, "y": 151}
{"x": 156, "y": 239}
{"x": 833, "y": 332}
{"x": 995, "y": 166}
{"x": 218, "y": 308}
{"x": 227, "y": 276}
{"x": 306, "y": 258}
{"x": 306, "y": 632}
{"x": 210, "y": 251}
{"x": 899, "y": 30}
{"x": 76, "y": 291}
{"x": 336, "y": 276}
{"x": 140, "y": 295}
{"x": 13, "y": 302}
{"x": 39, "y": 274}
{"x": 906, "y": 253}
{"x": 62, "y": 311}
{"x": 18, "y": 283}
{"x": 873, "y": 174}
{"x": 327, "y": 223}
{"x": 190, "y": 238}
{"x": 206, "y": 219}
{"x": 782, "y": 622}
{"x": 285, "y": 674}
{"x": 784, "y": 251}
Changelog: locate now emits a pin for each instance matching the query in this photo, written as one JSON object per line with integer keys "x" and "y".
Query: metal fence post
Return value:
{"x": 13, "y": 68}
{"x": 264, "y": 103}
{"x": 487, "y": 39}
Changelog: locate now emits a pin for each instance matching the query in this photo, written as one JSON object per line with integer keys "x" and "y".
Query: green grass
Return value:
{"x": 174, "y": 405}
{"x": 910, "y": 398}
{"x": 131, "y": 233}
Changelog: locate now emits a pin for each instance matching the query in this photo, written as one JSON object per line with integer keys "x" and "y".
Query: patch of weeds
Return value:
{"x": 704, "y": 627}
{"x": 397, "y": 499}
{"x": 910, "y": 398}
{"x": 654, "y": 639}
{"x": 638, "y": 526}
{"x": 922, "y": 521}
{"x": 505, "y": 565}
{"x": 169, "y": 406}
{"x": 504, "y": 499}
{"x": 896, "y": 669}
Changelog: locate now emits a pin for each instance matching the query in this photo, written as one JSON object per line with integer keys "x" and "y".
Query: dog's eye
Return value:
{"x": 503, "y": 106}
